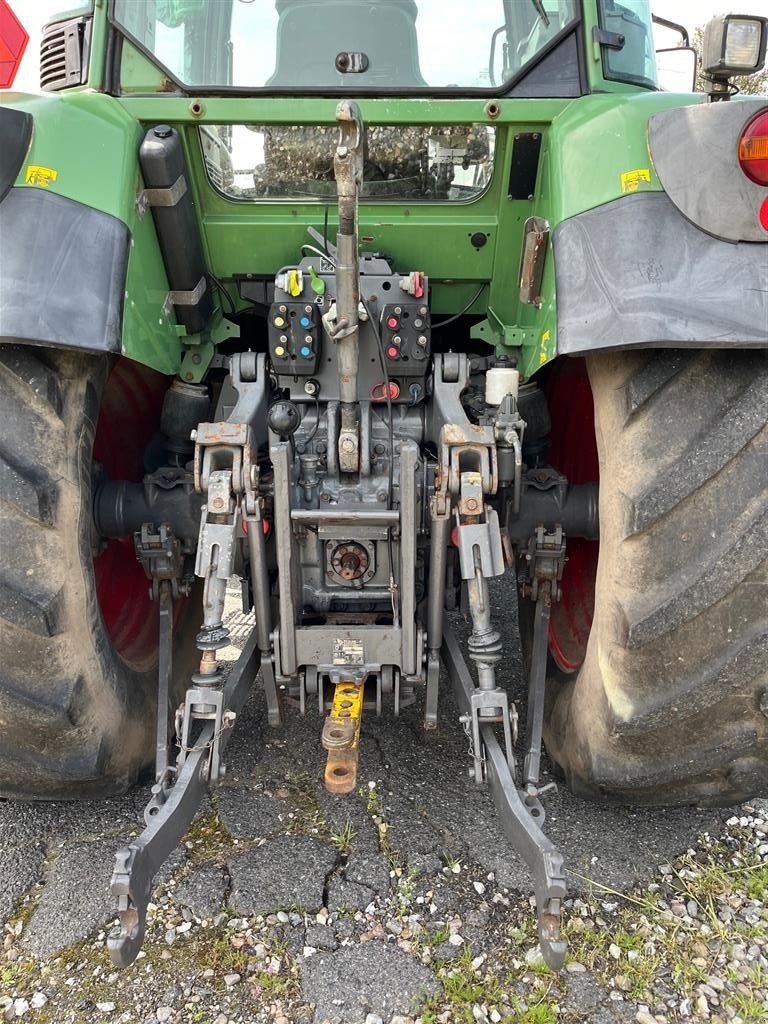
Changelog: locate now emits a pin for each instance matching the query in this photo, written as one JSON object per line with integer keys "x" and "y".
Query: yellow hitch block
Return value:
{"x": 341, "y": 737}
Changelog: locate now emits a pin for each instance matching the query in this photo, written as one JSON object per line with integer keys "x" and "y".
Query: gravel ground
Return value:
{"x": 400, "y": 903}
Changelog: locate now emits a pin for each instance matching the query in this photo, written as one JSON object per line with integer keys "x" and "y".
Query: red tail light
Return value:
{"x": 753, "y": 149}
{"x": 13, "y": 43}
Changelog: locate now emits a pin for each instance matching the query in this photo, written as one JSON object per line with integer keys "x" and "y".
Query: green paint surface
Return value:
{"x": 594, "y": 150}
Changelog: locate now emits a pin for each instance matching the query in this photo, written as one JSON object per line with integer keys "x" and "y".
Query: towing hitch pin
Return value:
{"x": 341, "y": 736}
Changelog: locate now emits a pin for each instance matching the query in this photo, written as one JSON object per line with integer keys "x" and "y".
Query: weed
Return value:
{"x": 375, "y": 808}
{"x": 307, "y": 818}
{"x": 342, "y": 839}
{"x": 207, "y": 838}
{"x": 406, "y": 891}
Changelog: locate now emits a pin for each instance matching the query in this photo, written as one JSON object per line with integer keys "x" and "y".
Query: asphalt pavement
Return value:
{"x": 290, "y": 845}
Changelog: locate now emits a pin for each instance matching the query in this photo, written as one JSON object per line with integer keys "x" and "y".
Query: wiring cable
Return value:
{"x": 317, "y": 252}
{"x": 472, "y": 301}
{"x": 224, "y": 294}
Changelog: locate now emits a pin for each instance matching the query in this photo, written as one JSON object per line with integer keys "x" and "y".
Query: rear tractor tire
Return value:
{"x": 670, "y": 704}
{"x": 78, "y": 634}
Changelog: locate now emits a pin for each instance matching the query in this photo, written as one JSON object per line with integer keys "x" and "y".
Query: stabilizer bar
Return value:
{"x": 539, "y": 853}
{"x": 169, "y": 815}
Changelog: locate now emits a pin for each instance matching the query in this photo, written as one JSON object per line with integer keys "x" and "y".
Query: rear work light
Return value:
{"x": 753, "y": 149}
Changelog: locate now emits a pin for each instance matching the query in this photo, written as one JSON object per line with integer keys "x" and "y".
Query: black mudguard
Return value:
{"x": 62, "y": 272}
{"x": 16, "y": 135}
{"x": 637, "y": 273}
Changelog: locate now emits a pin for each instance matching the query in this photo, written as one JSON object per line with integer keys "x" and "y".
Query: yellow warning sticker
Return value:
{"x": 543, "y": 348}
{"x": 630, "y": 180}
{"x": 40, "y": 175}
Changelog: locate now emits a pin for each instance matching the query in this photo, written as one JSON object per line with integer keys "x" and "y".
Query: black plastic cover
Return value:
{"x": 525, "y": 165}
{"x": 696, "y": 154}
{"x": 16, "y": 133}
{"x": 62, "y": 272}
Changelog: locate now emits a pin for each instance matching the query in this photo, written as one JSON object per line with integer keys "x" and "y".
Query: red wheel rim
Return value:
{"x": 128, "y": 420}
{"x": 573, "y": 452}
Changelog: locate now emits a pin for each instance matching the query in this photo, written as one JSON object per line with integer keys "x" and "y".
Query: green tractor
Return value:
{"x": 364, "y": 304}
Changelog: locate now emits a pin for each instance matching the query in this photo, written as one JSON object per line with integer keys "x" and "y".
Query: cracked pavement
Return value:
{"x": 283, "y": 846}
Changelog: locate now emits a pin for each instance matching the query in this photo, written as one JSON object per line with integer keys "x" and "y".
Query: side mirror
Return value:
{"x": 734, "y": 44}
{"x": 676, "y": 59}
{"x": 676, "y": 69}
{"x": 497, "y": 62}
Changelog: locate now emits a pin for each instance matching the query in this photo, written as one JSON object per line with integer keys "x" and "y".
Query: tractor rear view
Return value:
{"x": 364, "y": 305}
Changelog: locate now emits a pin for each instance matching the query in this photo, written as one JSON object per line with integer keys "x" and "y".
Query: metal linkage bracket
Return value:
{"x": 167, "y": 197}
{"x": 205, "y": 704}
{"x": 480, "y": 547}
{"x": 546, "y": 562}
{"x": 226, "y": 471}
{"x": 519, "y": 821}
{"x": 462, "y": 446}
{"x": 159, "y": 552}
{"x": 184, "y": 298}
{"x": 498, "y": 703}
{"x": 216, "y": 535}
{"x": 137, "y": 863}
